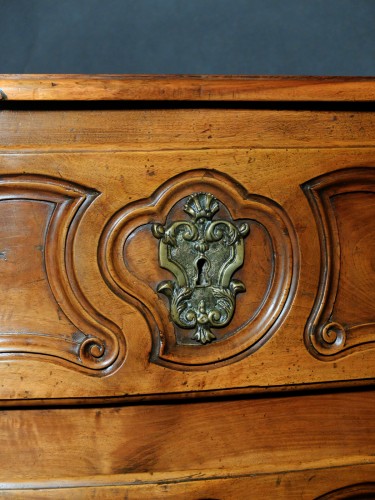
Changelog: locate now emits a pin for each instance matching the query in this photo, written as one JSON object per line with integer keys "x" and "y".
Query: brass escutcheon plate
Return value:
{"x": 203, "y": 254}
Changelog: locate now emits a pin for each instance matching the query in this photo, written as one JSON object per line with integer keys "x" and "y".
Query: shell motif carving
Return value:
{"x": 202, "y": 254}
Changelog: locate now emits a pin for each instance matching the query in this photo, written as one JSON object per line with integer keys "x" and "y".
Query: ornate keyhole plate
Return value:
{"x": 203, "y": 254}
{"x": 211, "y": 267}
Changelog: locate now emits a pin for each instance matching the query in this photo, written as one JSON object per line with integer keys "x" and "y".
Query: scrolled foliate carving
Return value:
{"x": 203, "y": 254}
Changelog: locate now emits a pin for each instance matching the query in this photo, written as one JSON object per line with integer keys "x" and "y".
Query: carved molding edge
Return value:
{"x": 98, "y": 346}
{"x": 325, "y": 338}
{"x": 352, "y": 492}
{"x": 254, "y": 331}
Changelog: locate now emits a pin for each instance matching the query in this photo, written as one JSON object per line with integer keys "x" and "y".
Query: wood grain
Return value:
{"x": 186, "y": 446}
{"x": 288, "y": 485}
{"x": 343, "y": 204}
{"x": 180, "y": 88}
{"x": 131, "y": 274}
{"x": 182, "y": 129}
{"x": 43, "y": 312}
{"x": 283, "y": 362}
{"x": 265, "y": 146}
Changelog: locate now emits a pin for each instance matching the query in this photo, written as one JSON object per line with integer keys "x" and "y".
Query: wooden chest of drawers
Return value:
{"x": 187, "y": 287}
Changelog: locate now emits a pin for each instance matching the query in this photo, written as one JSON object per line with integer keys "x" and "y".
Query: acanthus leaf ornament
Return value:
{"x": 203, "y": 255}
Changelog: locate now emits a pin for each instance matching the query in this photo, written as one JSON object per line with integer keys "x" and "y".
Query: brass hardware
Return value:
{"x": 202, "y": 254}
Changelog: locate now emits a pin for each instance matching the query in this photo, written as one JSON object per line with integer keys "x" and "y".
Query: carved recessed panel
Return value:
{"x": 212, "y": 268}
{"x": 343, "y": 317}
{"x": 43, "y": 312}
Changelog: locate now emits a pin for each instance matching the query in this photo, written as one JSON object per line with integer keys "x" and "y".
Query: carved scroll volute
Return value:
{"x": 79, "y": 337}
{"x": 203, "y": 254}
{"x": 343, "y": 317}
{"x": 190, "y": 293}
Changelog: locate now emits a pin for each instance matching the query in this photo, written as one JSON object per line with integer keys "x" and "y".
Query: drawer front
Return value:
{"x": 185, "y": 251}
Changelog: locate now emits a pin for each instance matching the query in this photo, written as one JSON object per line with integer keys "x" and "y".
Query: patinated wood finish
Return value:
{"x": 281, "y": 447}
{"x": 113, "y": 220}
{"x": 184, "y": 87}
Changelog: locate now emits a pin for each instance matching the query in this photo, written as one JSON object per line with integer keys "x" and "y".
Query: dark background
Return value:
{"x": 307, "y": 37}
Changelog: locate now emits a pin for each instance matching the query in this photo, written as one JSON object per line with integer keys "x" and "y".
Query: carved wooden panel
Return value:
{"x": 343, "y": 317}
{"x": 155, "y": 253}
{"x": 104, "y": 277}
{"x": 128, "y": 257}
{"x": 43, "y": 312}
{"x": 106, "y": 266}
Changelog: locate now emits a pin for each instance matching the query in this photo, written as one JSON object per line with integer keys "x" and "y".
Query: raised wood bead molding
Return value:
{"x": 343, "y": 319}
{"x": 187, "y": 287}
{"x": 268, "y": 273}
{"x": 355, "y": 491}
{"x": 40, "y": 217}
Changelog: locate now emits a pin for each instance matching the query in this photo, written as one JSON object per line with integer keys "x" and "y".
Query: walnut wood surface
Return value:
{"x": 287, "y": 445}
{"x": 344, "y": 206}
{"x": 273, "y": 266}
{"x": 127, "y": 157}
{"x": 180, "y": 88}
{"x": 39, "y": 221}
{"x": 81, "y": 320}
{"x": 305, "y": 485}
{"x": 175, "y": 129}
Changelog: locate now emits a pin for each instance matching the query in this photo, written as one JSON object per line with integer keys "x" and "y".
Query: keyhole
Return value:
{"x": 202, "y": 268}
